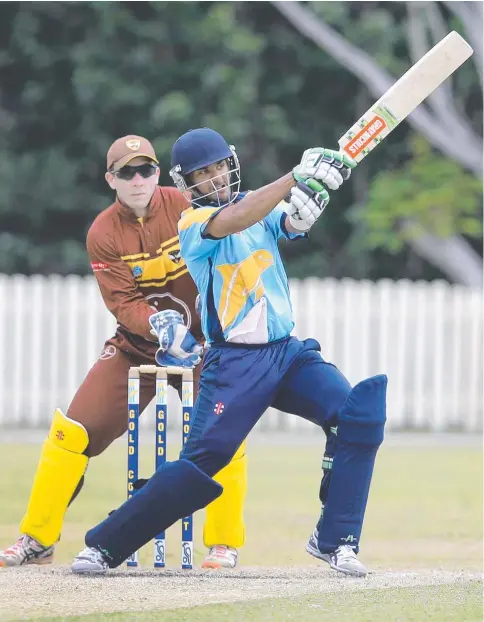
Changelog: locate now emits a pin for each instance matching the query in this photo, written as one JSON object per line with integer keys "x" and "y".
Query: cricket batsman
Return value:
{"x": 134, "y": 251}
{"x": 229, "y": 241}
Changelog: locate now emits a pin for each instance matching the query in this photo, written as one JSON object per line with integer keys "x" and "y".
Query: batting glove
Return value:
{"x": 330, "y": 167}
{"x": 308, "y": 201}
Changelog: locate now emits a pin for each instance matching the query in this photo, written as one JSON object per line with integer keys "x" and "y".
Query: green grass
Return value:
{"x": 425, "y": 507}
{"x": 438, "y": 603}
{"x": 424, "y": 512}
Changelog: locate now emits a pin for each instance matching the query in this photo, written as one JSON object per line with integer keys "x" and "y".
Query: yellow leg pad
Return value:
{"x": 224, "y": 523}
{"x": 61, "y": 466}
{"x": 67, "y": 433}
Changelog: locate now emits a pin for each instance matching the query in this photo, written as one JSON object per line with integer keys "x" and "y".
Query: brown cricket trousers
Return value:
{"x": 101, "y": 402}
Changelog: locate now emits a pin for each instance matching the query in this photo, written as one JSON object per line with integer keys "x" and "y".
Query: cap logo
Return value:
{"x": 133, "y": 144}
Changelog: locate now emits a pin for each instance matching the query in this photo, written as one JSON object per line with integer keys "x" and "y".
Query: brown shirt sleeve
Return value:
{"x": 118, "y": 287}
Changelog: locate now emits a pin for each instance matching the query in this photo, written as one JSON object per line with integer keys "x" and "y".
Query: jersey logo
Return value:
{"x": 175, "y": 256}
{"x": 157, "y": 269}
{"x": 99, "y": 266}
{"x": 108, "y": 352}
{"x": 241, "y": 281}
{"x": 167, "y": 300}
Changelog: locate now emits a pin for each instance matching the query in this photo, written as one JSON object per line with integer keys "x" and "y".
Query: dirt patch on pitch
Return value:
{"x": 33, "y": 592}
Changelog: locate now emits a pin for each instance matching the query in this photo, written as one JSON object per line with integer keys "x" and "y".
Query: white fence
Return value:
{"x": 426, "y": 337}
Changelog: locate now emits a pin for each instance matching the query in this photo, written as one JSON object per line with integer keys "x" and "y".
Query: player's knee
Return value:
{"x": 74, "y": 436}
{"x": 215, "y": 462}
{"x": 335, "y": 399}
{"x": 68, "y": 434}
{"x": 98, "y": 443}
{"x": 212, "y": 460}
{"x": 362, "y": 419}
{"x": 221, "y": 458}
{"x": 100, "y": 432}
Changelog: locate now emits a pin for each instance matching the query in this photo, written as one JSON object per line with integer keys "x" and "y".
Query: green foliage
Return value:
{"x": 76, "y": 75}
{"x": 429, "y": 193}
{"x": 374, "y": 27}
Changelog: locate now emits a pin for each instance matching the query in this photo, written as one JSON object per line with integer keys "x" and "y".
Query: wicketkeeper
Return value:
{"x": 134, "y": 251}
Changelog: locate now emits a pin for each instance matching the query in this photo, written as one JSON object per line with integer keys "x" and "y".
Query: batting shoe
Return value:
{"x": 89, "y": 561}
{"x": 343, "y": 559}
{"x": 26, "y": 551}
{"x": 220, "y": 556}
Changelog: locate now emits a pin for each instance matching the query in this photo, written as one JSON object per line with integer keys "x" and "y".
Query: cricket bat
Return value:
{"x": 405, "y": 95}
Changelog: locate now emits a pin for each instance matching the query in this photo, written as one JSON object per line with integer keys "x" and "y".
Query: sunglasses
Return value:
{"x": 128, "y": 172}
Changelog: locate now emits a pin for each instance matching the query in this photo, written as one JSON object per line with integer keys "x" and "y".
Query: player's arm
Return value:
{"x": 118, "y": 287}
{"x": 293, "y": 217}
{"x": 253, "y": 207}
{"x": 309, "y": 197}
{"x": 328, "y": 166}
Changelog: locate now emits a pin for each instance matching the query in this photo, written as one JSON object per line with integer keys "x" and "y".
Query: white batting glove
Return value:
{"x": 307, "y": 203}
{"x": 330, "y": 167}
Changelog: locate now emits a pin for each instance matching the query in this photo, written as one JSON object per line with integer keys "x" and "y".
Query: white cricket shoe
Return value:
{"x": 89, "y": 561}
{"x": 26, "y": 551}
{"x": 221, "y": 556}
{"x": 343, "y": 559}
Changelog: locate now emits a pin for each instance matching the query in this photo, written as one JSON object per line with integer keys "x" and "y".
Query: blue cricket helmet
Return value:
{"x": 198, "y": 149}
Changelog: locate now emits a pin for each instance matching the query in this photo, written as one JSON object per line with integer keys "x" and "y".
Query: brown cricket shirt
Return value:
{"x": 139, "y": 269}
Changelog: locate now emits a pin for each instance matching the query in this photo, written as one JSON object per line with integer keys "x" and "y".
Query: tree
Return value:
{"x": 441, "y": 119}
{"x": 75, "y": 76}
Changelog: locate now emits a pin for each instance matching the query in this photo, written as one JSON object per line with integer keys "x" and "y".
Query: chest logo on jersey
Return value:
{"x": 241, "y": 281}
{"x": 175, "y": 256}
{"x": 157, "y": 269}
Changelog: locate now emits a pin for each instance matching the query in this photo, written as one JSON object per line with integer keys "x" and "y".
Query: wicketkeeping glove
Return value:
{"x": 177, "y": 345}
{"x": 330, "y": 167}
{"x": 307, "y": 203}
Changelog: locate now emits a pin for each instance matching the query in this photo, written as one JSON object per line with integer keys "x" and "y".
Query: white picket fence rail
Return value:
{"x": 426, "y": 336}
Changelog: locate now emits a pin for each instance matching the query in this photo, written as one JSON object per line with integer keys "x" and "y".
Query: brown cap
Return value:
{"x": 126, "y": 149}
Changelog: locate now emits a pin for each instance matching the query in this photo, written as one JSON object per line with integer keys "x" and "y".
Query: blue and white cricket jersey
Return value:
{"x": 241, "y": 278}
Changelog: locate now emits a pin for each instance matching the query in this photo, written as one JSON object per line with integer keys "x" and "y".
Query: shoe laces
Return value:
{"x": 33, "y": 545}
{"x": 93, "y": 555}
{"x": 26, "y": 546}
{"x": 16, "y": 547}
{"x": 221, "y": 550}
{"x": 345, "y": 551}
